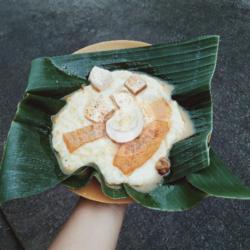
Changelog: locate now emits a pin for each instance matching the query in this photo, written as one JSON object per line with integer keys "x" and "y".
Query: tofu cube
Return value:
{"x": 100, "y": 109}
{"x": 100, "y": 78}
{"x": 135, "y": 84}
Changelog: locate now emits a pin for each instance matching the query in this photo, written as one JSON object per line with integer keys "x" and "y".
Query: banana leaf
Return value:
{"x": 169, "y": 197}
{"x": 85, "y": 174}
{"x": 217, "y": 180}
{"x": 29, "y": 165}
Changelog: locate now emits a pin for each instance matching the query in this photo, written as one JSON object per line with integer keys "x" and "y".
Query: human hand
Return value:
{"x": 92, "y": 225}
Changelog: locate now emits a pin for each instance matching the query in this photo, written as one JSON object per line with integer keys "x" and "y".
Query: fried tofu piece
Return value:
{"x": 134, "y": 154}
{"x": 79, "y": 137}
{"x": 100, "y": 78}
{"x": 100, "y": 109}
{"x": 135, "y": 84}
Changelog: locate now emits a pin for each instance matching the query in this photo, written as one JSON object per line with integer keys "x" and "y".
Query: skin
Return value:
{"x": 91, "y": 226}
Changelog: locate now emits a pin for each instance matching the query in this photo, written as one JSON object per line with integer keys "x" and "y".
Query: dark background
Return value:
{"x": 33, "y": 28}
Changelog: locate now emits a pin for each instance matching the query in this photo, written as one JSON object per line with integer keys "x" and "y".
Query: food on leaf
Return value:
{"x": 134, "y": 154}
{"x": 32, "y": 137}
{"x": 99, "y": 109}
{"x": 162, "y": 166}
{"x": 125, "y": 125}
{"x": 79, "y": 137}
{"x": 135, "y": 84}
{"x": 100, "y": 78}
{"x": 161, "y": 110}
{"x": 146, "y": 125}
{"x": 122, "y": 99}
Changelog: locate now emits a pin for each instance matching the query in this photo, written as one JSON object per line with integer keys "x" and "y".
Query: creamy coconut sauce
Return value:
{"x": 103, "y": 150}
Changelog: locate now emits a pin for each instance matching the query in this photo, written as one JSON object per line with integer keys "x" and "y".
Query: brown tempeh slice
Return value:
{"x": 79, "y": 137}
{"x": 135, "y": 84}
{"x": 134, "y": 154}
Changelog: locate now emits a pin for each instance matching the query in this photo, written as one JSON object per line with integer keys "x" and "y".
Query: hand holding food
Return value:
{"x": 138, "y": 124}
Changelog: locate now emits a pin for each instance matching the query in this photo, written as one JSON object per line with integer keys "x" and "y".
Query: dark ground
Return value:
{"x": 32, "y": 28}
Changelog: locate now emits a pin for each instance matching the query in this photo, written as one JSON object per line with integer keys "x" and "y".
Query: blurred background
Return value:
{"x": 33, "y": 28}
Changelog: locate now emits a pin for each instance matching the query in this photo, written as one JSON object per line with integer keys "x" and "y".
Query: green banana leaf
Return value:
{"x": 85, "y": 174}
{"x": 29, "y": 165}
{"x": 170, "y": 197}
{"x": 217, "y": 180}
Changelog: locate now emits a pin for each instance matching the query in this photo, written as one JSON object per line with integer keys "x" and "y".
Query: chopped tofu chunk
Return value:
{"x": 79, "y": 137}
{"x": 100, "y": 109}
{"x": 135, "y": 84}
{"x": 122, "y": 98}
{"x": 100, "y": 78}
{"x": 134, "y": 154}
